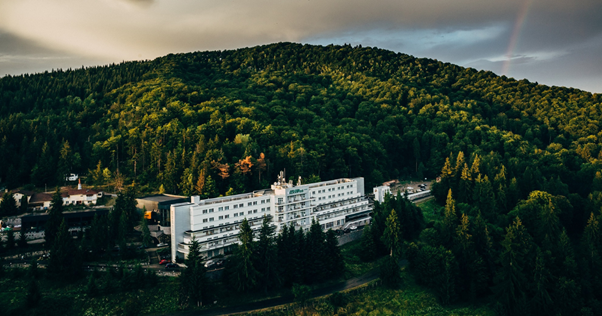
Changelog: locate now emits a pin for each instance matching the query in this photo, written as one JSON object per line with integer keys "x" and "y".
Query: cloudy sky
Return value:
{"x": 554, "y": 42}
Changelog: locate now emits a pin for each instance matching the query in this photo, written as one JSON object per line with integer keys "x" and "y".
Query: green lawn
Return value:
{"x": 431, "y": 210}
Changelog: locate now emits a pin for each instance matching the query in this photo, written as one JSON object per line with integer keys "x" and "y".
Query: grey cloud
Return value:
{"x": 467, "y": 32}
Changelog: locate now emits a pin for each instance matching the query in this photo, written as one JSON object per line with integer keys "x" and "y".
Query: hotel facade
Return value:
{"x": 215, "y": 222}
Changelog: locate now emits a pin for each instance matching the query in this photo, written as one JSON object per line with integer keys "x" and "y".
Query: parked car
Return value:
{"x": 171, "y": 266}
{"x": 210, "y": 264}
{"x": 162, "y": 245}
{"x": 352, "y": 227}
{"x": 164, "y": 261}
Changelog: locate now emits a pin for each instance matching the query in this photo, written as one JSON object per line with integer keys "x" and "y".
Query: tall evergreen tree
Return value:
{"x": 244, "y": 275}
{"x": 194, "y": 287}
{"x": 146, "y": 236}
{"x": 392, "y": 236}
{"x": 266, "y": 256}
{"x": 511, "y": 280}
{"x": 65, "y": 257}
{"x": 8, "y": 206}
{"x": 55, "y": 219}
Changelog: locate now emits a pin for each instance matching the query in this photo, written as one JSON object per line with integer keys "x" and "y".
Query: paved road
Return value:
{"x": 349, "y": 284}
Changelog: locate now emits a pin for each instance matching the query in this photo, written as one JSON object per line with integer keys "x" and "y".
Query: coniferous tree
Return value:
{"x": 392, "y": 236}
{"x": 450, "y": 221}
{"x": 316, "y": 252}
{"x": 265, "y": 254}
{"x": 65, "y": 257}
{"x": 8, "y": 205}
{"x": 335, "y": 265}
{"x": 193, "y": 281}
{"x": 368, "y": 246}
{"x": 55, "y": 219}
{"x": 465, "y": 186}
{"x": 511, "y": 280}
{"x": 146, "y": 236}
{"x": 244, "y": 276}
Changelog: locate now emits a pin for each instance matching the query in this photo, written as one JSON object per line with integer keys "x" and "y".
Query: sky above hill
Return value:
{"x": 554, "y": 42}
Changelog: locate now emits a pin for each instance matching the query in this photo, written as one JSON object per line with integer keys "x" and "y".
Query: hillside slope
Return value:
{"x": 332, "y": 111}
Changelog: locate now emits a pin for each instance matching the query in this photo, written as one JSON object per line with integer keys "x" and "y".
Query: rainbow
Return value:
{"x": 522, "y": 14}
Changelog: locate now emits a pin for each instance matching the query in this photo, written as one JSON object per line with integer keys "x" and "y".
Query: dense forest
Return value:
{"x": 520, "y": 163}
{"x": 210, "y": 122}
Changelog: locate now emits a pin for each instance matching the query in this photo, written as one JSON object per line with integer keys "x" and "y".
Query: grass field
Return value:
{"x": 409, "y": 299}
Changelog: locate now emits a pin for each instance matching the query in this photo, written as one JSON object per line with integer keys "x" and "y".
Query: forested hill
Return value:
{"x": 234, "y": 118}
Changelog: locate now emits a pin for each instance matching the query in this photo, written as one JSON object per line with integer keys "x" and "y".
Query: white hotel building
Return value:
{"x": 215, "y": 222}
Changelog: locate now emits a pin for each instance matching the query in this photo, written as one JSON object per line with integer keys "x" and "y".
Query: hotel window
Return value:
{"x": 241, "y": 205}
{"x": 227, "y": 216}
{"x": 204, "y": 220}
{"x": 227, "y": 208}
{"x": 204, "y": 211}
{"x": 254, "y": 202}
{"x": 211, "y": 219}
{"x": 262, "y": 201}
{"x": 235, "y": 205}
{"x": 220, "y": 209}
{"x": 268, "y": 209}
{"x": 221, "y": 217}
{"x": 250, "y": 212}
{"x": 249, "y": 204}
{"x": 280, "y": 200}
{"x": 267, "y": 201}
{"x": 263, "y": 209}
{"x": 235, "y": 214}
{"x": 254, "y": 211}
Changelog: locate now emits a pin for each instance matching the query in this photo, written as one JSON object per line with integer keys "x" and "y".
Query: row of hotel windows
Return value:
{"x": 225, "y": 208}
{"x": 333, "y": 196}
{"x": 333, "y": 189}
{"x": 211, "y": 219}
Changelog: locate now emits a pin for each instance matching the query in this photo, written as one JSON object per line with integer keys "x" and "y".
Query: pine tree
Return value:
{"x": 193, "y": 282}
{"x": 368, "y": 247}
{"x": 24, "y": 205}
{"x": 450, "y": 221}
{"x": 511, "y": 281}
{"x": 335, "y": 265}
{"x": 244, "y": 275}
{"x": 392, "y": 236}
{"x": 54, "y": 222}
{"x": 513, "y": 194}
{"x": 465, "y": 186}
{"x": 146, "y": 236}
{"x": 314, "y": 261}
{"x": 541, "y": 303}
{"x": 211, "y": 188}
{"x": 266, "y": 255}
{"x": 65, "y": 259}
{"x": 8, "y": 205}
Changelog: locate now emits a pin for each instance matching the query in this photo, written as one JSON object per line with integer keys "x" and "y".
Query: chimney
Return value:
{"x": 79, "y": 185}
